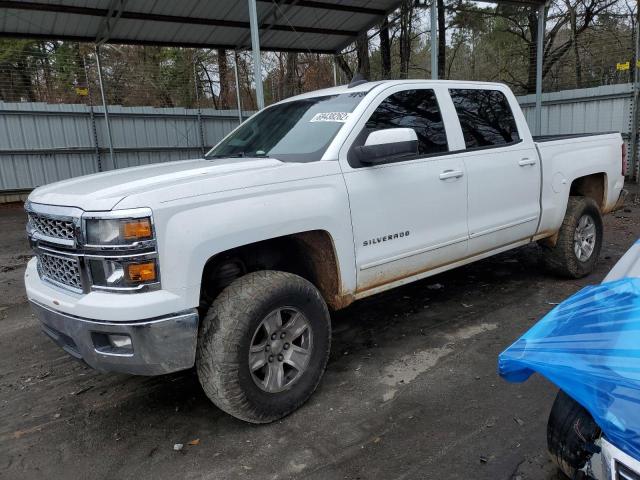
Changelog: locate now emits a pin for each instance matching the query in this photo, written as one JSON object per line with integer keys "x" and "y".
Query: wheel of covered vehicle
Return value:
{"x": 579, "y": 240}
{"x": 263, "y": 346}
{"x": 571, "y": 432}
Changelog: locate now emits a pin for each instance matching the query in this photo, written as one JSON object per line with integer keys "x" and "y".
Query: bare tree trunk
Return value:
{"x": 210, "y": 82}
{"x": 442, "y": 40}
{"x": 406, "y": 15}
{"x": 344, "y": 66}
{"x": 531, "y": 70}
{"x": 385, "y": 48}
{"x": 46, "y": 72}
{"x": 474, "y": 44}
{"x": 223, "y": 74}
{"x": 248, "y": 97}
{"x": 362, "y": 46}
{"x": 79, "y": 77}
{"x": 26, "y": 87}
{"x": 574, "y": 40}
{"x": 291, "y": 75}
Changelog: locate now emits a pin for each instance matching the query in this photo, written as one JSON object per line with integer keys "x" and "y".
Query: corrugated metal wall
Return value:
{"x": 599, "y": 109}
{"x": 42, "y": 143}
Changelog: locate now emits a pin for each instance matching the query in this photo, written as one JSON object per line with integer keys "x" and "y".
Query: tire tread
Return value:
{"x": 560, "y": 259}
{"x": 227, "y": 321}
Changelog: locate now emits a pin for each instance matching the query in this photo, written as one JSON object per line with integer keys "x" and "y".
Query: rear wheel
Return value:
{"x": 576, "y": 252}
{"x": 263, "y": 346}
{"x": 571, "y": 432}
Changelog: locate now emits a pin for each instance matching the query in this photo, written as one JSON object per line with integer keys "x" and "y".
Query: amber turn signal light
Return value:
{"x": 139, "y": 229}
{"x": 141, "y": 272}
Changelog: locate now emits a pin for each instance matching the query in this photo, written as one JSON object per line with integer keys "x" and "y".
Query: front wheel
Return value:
{"x": 579, "y": 240}
{"x": 571, "y": 432}
{"x": 263, "y": 346}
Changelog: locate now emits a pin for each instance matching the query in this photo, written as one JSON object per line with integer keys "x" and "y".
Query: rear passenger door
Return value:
{"x": 503, "y": 169}
{"x": 408, "y": 215}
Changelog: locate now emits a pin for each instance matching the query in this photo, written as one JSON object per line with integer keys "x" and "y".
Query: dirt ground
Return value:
{"x": 411, "y": 390}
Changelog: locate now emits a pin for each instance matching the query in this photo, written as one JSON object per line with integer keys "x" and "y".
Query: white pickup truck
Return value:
{"x": 232, "y": 262}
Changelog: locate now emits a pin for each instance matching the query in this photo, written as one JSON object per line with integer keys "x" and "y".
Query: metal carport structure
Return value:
{"x": 274, "y": 25}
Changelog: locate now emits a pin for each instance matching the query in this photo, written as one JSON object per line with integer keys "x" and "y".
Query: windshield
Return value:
{"x": 296, "y": 131}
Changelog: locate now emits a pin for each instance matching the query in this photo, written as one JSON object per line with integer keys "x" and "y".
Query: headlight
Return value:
{"x": 123, "y": 273}
{"x": 121, "y": 253}
{"x": 118, "y": 231}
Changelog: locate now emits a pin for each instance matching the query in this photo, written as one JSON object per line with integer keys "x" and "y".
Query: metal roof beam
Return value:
{"x": 109, "y": 21}
{"x": 101, "y": 12}
{"x": 261, "y": 21}
{"x": 154, "y": 43}
{"x": 328, "y": 6}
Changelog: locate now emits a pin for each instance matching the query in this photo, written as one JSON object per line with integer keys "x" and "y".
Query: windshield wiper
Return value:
{"x": 231, "y": 155}
{"x": 239, "y": 155}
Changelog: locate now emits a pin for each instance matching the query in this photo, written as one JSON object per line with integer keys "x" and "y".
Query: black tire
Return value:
{"x": 226, "y": 334}
{"x": 561, "y": 259}
{"x": 571, "y": 432}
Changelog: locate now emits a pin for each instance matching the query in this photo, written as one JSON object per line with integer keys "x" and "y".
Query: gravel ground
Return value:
{"x": 411, "y": 390}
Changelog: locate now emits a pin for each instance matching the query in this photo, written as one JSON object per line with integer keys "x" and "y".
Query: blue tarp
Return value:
{"x": 589, "y": 346}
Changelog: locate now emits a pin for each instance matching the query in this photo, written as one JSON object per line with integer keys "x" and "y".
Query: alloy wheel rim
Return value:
{"x": 280, "y": 350}
{"x": 584, "y": 238}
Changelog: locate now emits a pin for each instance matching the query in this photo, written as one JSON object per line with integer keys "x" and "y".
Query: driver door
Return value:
{"x": 409, "y": 214}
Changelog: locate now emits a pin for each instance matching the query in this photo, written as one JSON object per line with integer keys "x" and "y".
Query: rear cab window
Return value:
{"x": 417, "y": 109}
{"x": 485, "y": 117}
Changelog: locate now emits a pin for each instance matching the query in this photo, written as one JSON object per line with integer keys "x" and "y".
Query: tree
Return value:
{"x": 291, "y": 84}
{"x": 362, "y": 50}
{"x": 442, "y": 39}
{"x": 406, "y": 27}
{"x": 584, "y": 41}
{"x": 223, "y": 75}
{"x": 523, "y": 23}
{"x": 385, "y": 48}
{"x": 344, "y": 66}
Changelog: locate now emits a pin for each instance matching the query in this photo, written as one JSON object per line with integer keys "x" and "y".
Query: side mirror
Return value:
{"x": 388, "y": 144}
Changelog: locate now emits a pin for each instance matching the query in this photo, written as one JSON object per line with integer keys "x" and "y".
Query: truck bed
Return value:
{"x": 551, "y": 138}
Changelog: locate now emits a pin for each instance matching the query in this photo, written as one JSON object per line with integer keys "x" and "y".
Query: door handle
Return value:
{"x": 451, "y": 174}
{"x": 526, "y": 161}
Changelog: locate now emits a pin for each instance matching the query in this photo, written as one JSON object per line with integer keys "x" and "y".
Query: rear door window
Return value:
{"x": 485, "y": 117}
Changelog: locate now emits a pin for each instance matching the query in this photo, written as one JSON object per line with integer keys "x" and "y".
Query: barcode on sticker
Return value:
{"x": 330, "y": 117}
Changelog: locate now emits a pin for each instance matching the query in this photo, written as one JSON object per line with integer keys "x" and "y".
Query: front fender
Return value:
{"x": 191, "y": 231}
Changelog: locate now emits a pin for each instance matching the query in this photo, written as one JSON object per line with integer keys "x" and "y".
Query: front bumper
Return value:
{"x": 157, "y": 346}
{"x": 613, "y": 464}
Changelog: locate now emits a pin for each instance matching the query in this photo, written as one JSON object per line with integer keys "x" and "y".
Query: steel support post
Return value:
{"x": 434, "y": 40}
{"x": 255, "y": 48}
{"x": 92, "y": 116}
{"x": 235, "y": 72}
{"x": 633, "y": 171}
{"x": 105, "y": 108}
{"x": 539, "y": 59}
{"x": 199, "y": 110}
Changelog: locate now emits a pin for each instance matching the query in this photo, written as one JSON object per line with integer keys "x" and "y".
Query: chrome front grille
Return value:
{"x": 625, "y": 473}
{"x": 61, "y": 270}
{"x": 52, "y": 227}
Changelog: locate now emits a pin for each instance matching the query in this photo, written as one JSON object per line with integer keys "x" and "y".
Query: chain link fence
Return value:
{"x": 68, "y": 73}
{"x": 587, "y": 44}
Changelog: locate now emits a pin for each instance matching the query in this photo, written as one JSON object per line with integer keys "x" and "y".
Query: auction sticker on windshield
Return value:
{"x": 330, "y": 117}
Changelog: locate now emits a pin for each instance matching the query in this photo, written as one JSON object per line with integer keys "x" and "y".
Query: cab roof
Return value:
{"x": 369, "y": 86}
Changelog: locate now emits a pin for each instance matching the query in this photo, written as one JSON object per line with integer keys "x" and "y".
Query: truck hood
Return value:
{"x": 627, "y": 266}
{"x": 103, "y": 191}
